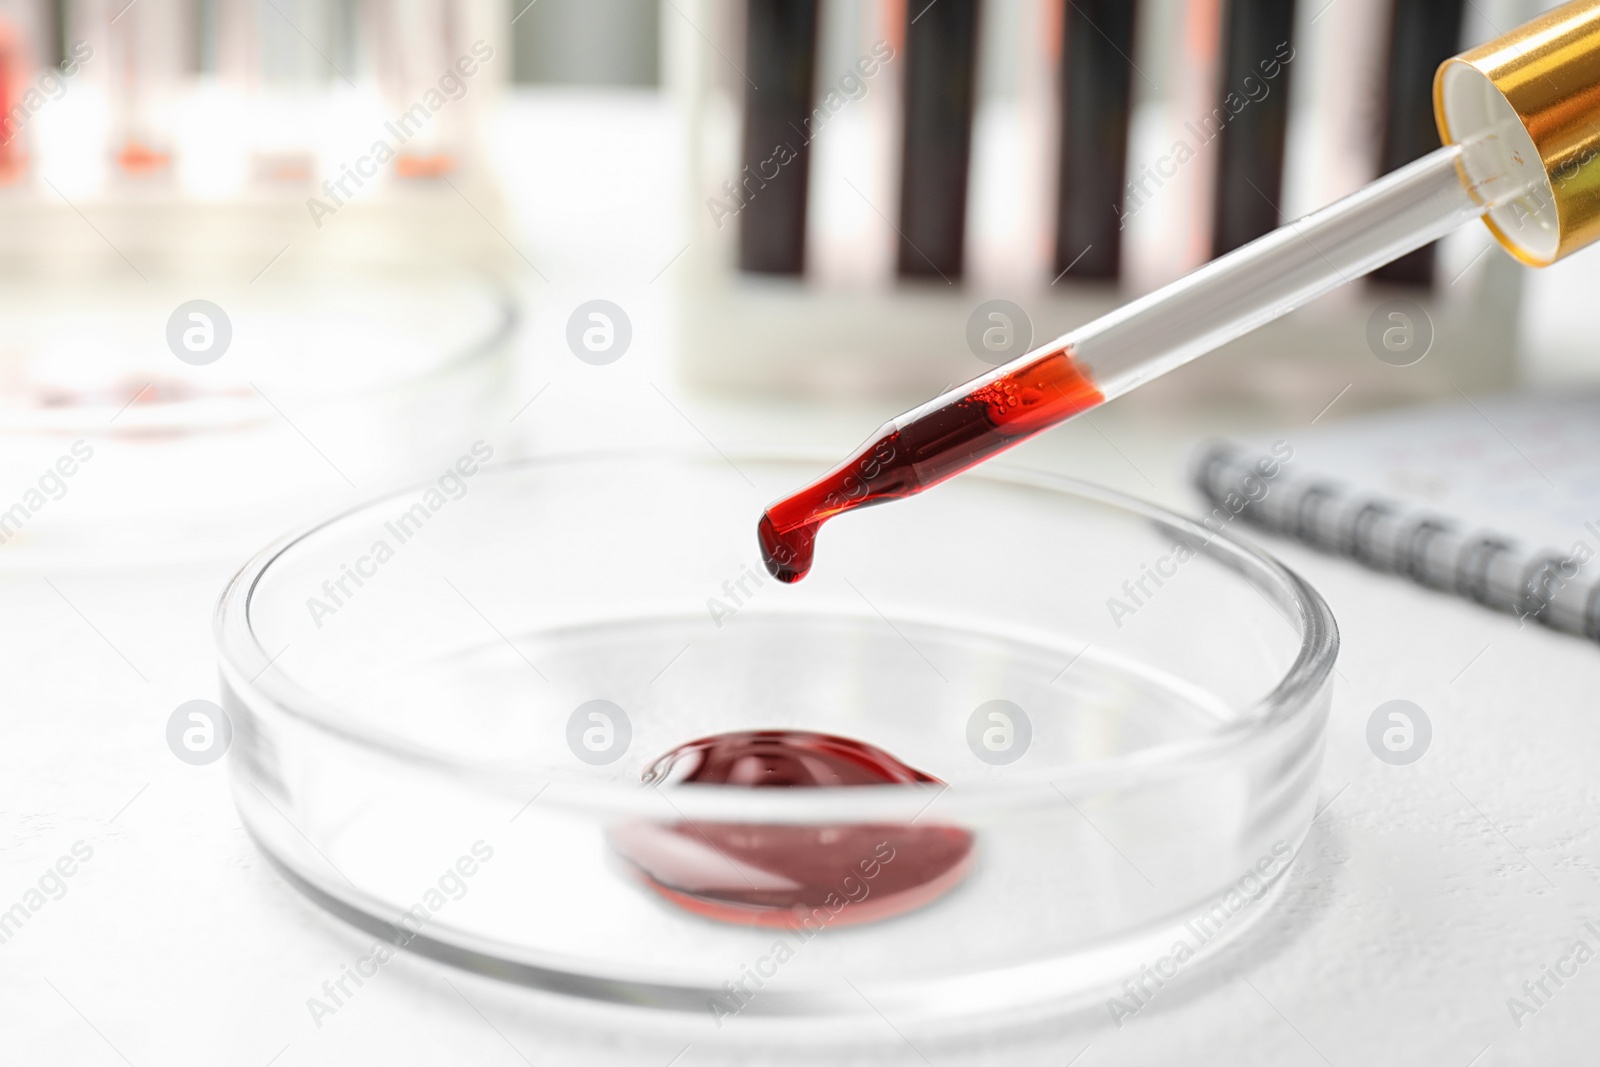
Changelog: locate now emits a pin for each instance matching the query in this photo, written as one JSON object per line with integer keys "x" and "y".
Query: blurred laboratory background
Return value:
{"x": 397, "y": 216}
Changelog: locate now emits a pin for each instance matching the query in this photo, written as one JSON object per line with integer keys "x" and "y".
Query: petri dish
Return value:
{"x": 418, "y": 756}
{"x": 328, "y": 385}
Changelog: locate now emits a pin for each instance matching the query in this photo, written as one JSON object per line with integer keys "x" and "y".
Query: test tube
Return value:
{"x": 148, "y": 45}
{"x": 14, "y": 63}
{"x": 415, "y": 42}
{"x": 1422, "y": 34}
{"x": 781, "y": 48}
{"x": 1255, "y": 39}
{"x": 941, "y": 61}
{"x": 1096, "y": 103}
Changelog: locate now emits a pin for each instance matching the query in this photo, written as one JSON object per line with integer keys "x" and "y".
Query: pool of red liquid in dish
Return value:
{"x": 924, "y": 448}
{"x": 787, "y": 874}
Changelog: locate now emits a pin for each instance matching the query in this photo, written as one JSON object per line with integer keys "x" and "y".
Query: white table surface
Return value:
{"x": 1424, "y": 897}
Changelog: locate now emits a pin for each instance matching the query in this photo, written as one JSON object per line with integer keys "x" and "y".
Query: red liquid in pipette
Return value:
{"x": 786, "y": 874}
{"x": 926, "y": 449}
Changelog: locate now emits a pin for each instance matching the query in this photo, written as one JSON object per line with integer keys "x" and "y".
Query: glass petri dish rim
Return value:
{"x": 179, "y": 417}
{"x": 1289, "y": 704}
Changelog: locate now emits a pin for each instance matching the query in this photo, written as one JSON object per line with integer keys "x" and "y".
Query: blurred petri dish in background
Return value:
{"x": 423, "y": 758}
{"x": 119, "y": 445}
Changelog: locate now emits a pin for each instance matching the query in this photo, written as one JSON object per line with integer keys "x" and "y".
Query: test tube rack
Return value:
{"x": 875, "y": 303}
{"x": 226, "y": 135}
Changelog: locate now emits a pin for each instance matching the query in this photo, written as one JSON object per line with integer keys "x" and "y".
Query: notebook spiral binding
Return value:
{"x": 1430, "y": 549}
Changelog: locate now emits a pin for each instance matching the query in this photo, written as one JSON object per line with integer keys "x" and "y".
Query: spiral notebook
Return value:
{"x": 1493, "y": 499}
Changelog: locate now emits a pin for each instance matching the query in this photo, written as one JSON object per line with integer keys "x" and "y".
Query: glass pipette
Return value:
{"x": 1510, "y": 112}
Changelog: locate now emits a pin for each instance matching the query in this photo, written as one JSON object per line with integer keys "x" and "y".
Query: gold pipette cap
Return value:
{"x": 1538, "y": 89}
